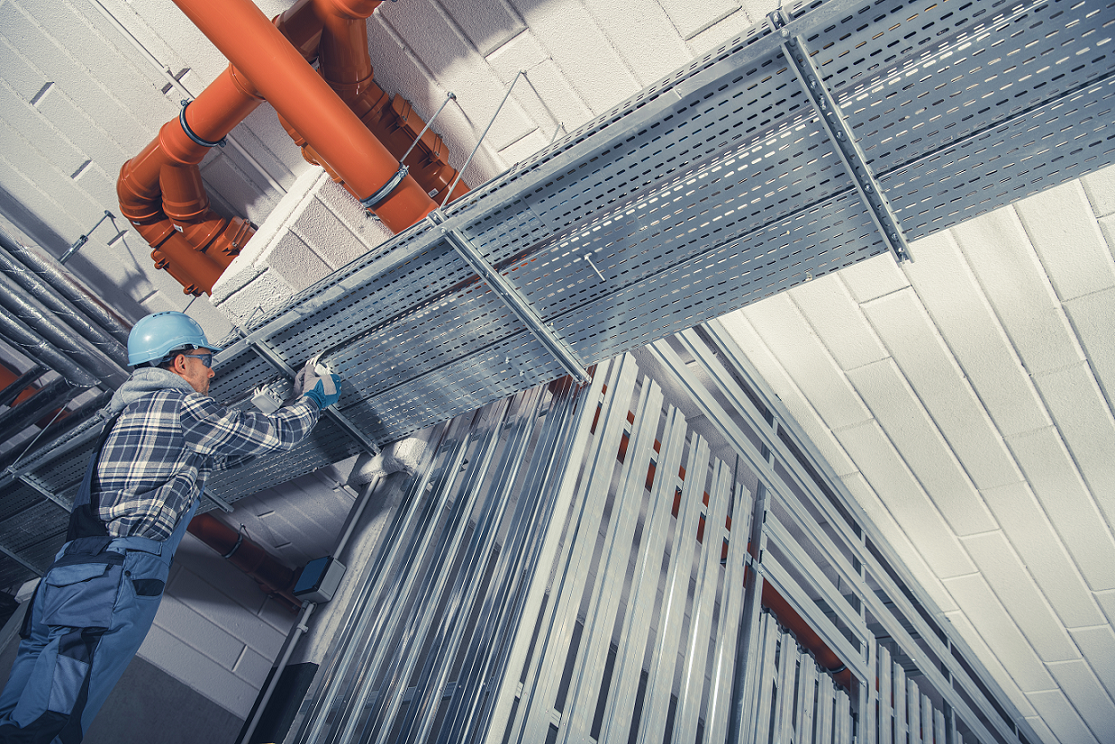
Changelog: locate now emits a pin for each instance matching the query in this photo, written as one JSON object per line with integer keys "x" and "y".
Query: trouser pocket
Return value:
{"x": 81, "y": 595}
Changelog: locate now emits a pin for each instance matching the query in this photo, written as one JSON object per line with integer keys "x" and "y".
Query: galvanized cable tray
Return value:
{"x": 715, "y": 187}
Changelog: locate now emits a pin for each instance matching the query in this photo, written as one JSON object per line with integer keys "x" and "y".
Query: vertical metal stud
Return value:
{"x": 619, "y": 710}
{"x": 748, "y": 657}
{"x": 900, "y": 726}
{"x": 886, "y": 698}
{"x": 728, "y": 636}
{"x": 704, "y": 600}
{"x": 600, "y": 618}
{"x": 541, "y": 688}
{"x": 656, "y": 707}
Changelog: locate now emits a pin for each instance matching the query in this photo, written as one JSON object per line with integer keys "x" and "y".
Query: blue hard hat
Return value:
{"x": 157, "y": 334}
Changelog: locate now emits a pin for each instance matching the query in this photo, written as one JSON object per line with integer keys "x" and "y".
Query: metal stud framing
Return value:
{"x": 611, "y": 602}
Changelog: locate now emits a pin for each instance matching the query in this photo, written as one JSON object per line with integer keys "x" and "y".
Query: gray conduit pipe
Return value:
{"x": 64, "y": 310}
{"x": 50, "y": 271}
{"x": 308, "y": 608}
{"x": 55, "y": 394}
{"x": 25, "y": 340}
{"x": 41, "y": 321}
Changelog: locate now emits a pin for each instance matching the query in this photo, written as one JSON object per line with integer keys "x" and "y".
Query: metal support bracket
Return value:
{"x": 27, "y": 481}
{"x": 373, "y": 201}
{"x": 21, "y": 561}
{"x": 262, "y": 348}
{"x": 509, "y": 295}
{"x": 191, "y": 134}
{"x": 797, "y": 56}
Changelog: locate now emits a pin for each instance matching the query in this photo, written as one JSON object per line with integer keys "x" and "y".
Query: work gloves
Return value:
{"x": 318, "y": 384}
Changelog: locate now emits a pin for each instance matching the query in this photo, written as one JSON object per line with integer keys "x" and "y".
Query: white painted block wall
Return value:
{"x": 216, "y": 631}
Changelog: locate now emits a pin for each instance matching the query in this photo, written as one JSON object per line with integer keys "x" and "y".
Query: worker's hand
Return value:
{"x": 320, "y": 386}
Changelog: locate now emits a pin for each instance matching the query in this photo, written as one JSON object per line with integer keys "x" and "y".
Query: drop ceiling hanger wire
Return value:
{"x": 720, "y": 185}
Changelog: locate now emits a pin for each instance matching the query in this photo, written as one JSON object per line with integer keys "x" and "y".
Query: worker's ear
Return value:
{"x": 178, "y": 366}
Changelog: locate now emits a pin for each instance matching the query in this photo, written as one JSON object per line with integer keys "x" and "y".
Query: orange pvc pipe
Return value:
{"x": 344, "y": 49}
{"x": 273, "y": 577}
{"x": 212, "y": 115}
{"x": 257, "y": 48}
{"x": 301, "y": 25}
{"x": 163, "y": 181}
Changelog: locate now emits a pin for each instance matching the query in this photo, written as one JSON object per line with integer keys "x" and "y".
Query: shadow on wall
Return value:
{"x": 28, "y": 227}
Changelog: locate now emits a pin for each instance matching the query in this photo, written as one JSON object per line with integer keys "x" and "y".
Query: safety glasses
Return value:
{"x": 206, "y": 359}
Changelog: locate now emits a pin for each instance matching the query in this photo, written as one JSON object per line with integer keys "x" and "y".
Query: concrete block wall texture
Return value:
{"x": 216, "y": 631}
{"x": 987, "y": 452}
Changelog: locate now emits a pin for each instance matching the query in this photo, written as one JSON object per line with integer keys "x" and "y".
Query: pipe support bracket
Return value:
{"x": 509, "y": 295}
{"x": 375, "y": 199}
{"x": 190, "y": 133}
{"x": 264, "y": 350}
{"x": 840, "y": 134}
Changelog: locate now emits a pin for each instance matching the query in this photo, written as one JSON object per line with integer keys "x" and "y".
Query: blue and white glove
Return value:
{"x": 317, "y": 384}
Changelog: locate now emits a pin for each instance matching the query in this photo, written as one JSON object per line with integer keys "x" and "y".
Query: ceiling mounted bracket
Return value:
{"x": 269, "y": 355}
{"x": 796, "y": 53}
{"x": 509, "y": 295}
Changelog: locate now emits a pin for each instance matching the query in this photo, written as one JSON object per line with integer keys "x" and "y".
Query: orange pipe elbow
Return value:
{"x": 257, "y": 48}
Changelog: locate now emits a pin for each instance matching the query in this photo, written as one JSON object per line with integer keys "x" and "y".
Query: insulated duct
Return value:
{"x": 19, "y": 275}
{"x": 26, "y": 340}
{"x": 48, "y": 271}
{"x": 47, "y": 327}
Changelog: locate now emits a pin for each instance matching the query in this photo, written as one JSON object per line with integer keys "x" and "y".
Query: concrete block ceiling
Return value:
{"x": 965, "y": 399}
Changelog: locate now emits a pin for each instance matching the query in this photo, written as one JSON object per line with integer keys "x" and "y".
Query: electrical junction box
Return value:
{"x": 269, "y": 398}
{"x": 319, "y": 580}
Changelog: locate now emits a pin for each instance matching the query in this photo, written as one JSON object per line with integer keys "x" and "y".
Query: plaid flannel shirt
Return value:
{"x": 164, "y": 446}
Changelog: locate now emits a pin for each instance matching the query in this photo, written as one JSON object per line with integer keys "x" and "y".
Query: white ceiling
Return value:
{"x": 965, "y": 399}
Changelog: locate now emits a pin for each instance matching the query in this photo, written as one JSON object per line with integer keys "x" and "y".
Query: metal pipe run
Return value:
{"x": 39, "y": 320}
{"x": 48, "y": 270}
{"x": 65, "y": 311}
{"x": 27, "y": 341}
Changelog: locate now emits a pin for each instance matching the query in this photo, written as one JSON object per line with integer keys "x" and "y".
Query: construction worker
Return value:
{"x": 94, "y": 606}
